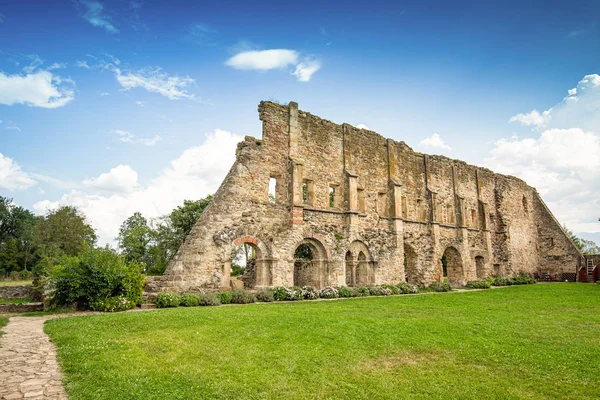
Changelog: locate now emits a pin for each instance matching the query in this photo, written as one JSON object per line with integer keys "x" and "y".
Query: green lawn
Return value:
{"x": 15, "y": 283}
{"x": 536, "y": 341}
{"x": 14, "y": 301}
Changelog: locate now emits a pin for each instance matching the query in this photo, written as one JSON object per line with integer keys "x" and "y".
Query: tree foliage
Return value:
{"x": 585, "y": 246}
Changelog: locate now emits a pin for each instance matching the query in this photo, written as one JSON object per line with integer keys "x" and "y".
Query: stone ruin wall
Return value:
{"x": 396, "y": 212}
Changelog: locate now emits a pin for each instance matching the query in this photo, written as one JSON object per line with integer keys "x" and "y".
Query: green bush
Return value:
{"x": 379, "y": 291}
{"x": 282, "y": 293}
{"x": 347, "y": 291}
{"x": 189, "y": 300}
{"x": 92, "y": 278}
{"x": 265, "y": 296}
{"x": 242, "y": 297}
{"x": 392, "y": 288}
{"x": 209, "y": 299}
{"x": 478, "y": 285}
{"x": 112, "y": 304}
{"x": 440, "y": 287}
{"x": 167, "y": 299}
{"x": 521, "y": 279}
{"x": 328, "y": 292}
{"x": 407, "y": 288}
{"x": 362, "y": 291}
{"x": 25, "y": 275}
{"x": 225, "y": 297}
{"x": 310, "y": 293}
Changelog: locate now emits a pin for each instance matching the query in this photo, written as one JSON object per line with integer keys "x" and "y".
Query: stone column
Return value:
{"x": 226, "y": 274}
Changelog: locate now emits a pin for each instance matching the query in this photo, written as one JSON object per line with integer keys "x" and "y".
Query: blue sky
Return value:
{"x": 119, "y": 106}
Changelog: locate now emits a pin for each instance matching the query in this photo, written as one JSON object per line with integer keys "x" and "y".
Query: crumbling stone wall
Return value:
{"x": 359, "y": 201}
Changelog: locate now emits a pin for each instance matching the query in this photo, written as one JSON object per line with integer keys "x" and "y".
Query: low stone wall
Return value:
{"x": 16, "y": 292}
{"x": 21, "y": 308}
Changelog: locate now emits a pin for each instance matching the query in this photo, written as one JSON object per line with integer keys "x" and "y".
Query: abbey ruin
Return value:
{"x": 351, "y": 207}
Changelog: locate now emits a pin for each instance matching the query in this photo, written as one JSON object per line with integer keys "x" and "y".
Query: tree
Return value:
{"x": 183, "y": 218}
{"x": 63, "y": 231}
{"x": 17, "y": 234}
{"x": 585, "y": 246}
{"x": 134, "y": 237}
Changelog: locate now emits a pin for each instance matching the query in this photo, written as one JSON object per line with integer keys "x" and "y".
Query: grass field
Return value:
{"x": 15, "y": 283}
{"x": 14, "y": 301}
{"x": 535, "y": 341}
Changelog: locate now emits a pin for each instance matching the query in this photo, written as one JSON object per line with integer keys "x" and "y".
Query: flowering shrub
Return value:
{"x": 478, "y": 285}
{"x": 167, "y": 299}
{"x": 393, "y": 289}
{"x": 209, "y": 299}
{"x": 362, "y": 291}
{"x": 282, "y": 293}
{"x": 112, "y": 304}
{"x": 407, "y": 288}
{"x": 440, "y": 287}
{"x": 344, "y": 291}
{"x": 309, "y": 293}
{"x": 189, "y": 300}
{"x": 265, "y": 296}
{"x": 225, "y": 297}
{"x": 242, "y": 297}
{"x": 379, "y": 291}
{"x": 328, "y": 293}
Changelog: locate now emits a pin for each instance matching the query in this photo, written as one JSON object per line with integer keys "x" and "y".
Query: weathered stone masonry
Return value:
{"x": 370, "y": 209}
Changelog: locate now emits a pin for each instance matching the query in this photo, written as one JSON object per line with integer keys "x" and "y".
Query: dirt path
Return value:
{"x": 28, "y": 367}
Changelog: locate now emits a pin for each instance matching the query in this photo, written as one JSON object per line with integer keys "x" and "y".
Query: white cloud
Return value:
{"x": 579, "y": 109}
{"x": 198, "y": 171}
{"x": 82, "y": 64}
{"x": 533, "y": 118}
{"x": 128, "y": 137}
{"x": 434, "y": 142}
{"x": 119, "y": 179}
{"x": 263, "y": 60}
{"x": 39, "y": 89}
{"x": 156, "y": 80}
{"x": 12, "y": 178}
{"x": 305, "y": 70}
{"x": 104, "y": 94}
{"x": 141, "y": 103}
{"x": 563, "y": 161}
{"x": 363, "y": 126}
{"x": 14, "y": 128}
{"x": 93, "y": 12}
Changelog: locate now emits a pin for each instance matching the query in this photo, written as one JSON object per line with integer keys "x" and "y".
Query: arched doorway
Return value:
{"x": 360, "y": 267}
{"x": 247, "y": 263}
{"x": 411, "y": 265}
{"x": 480, "y": 268}
{"x": 452, "y": 266}
{"x": 310, "y": 264}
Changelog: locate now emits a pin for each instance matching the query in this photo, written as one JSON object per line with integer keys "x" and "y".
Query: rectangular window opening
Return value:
{"x": 332, "y": 196}
{"x": 273, "y": 190}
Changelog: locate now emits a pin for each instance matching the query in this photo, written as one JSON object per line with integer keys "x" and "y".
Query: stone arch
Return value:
{"x": 452, "y": 266}
{"x": 480, "y": 267}
{"x": 362, "y": 266}
{"x": 259, "y": 274}
{"x": 412, "y": 264}
{"x": 311, "y": 266}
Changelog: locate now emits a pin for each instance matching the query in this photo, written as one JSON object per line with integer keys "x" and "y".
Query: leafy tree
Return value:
{"x": 134, "y": 237}
{"x": 585, "y": 246}
{"x": 63, "y": 231}
{"x": 17, "y": 234}
{"x": 183, "y": 218}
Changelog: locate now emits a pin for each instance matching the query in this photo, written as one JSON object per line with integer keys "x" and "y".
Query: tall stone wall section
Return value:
{"x": 371, "y": 209}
